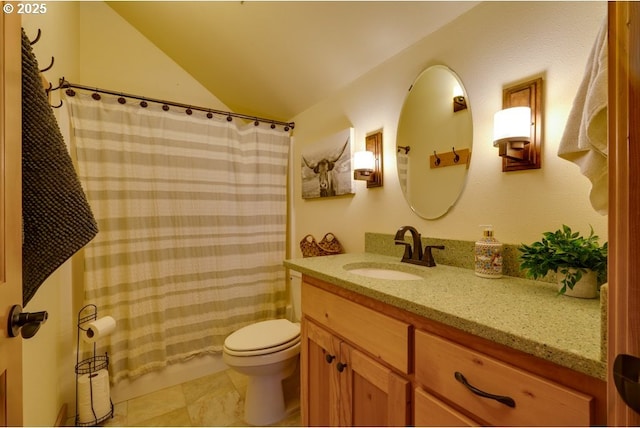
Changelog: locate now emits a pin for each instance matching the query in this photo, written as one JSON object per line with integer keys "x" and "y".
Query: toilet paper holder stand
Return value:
{"x": 89, "y": 365}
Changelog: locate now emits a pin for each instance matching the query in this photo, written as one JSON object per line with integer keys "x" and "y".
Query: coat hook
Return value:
{"x": 456, "y": 157}
{"x": 37, "y": 38}
{"x": 54, "y": 89}
{"x": 59, "y": 105}
{"x": 49, "y": 67}
{"x": 437, "y": 161}
{"x": 49, "y": 89}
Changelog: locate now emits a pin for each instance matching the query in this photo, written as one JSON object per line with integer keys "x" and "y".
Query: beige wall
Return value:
{"x": 492, "y": 45}
{"x": 48, "y": 357}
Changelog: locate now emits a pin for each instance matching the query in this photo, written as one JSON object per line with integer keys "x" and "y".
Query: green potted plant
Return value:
{"x": 569, "y": 254}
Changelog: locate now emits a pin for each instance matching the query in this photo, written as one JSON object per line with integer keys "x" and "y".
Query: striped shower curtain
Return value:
{"x": 192, "y": 219}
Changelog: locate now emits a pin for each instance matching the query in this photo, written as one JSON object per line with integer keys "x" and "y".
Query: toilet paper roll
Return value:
{"x": 97, "y": 329}
{"x": 94, "y": 400}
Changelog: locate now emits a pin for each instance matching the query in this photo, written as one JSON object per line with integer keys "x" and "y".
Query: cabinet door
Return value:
{"x": 370, "y": 393}
{"x": 431, "y": 412}
{"x": 318, "y": 376}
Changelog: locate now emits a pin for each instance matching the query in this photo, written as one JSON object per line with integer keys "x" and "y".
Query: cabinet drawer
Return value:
{"x": 380, "y": 335}
{"x": 537, "y": 401}
{"x": 431, "y": 412}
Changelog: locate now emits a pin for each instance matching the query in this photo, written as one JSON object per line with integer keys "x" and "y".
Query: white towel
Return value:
{"x": 585, "y": 136}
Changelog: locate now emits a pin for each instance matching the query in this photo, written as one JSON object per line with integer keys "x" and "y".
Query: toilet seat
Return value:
{"x": 262, "y": 338}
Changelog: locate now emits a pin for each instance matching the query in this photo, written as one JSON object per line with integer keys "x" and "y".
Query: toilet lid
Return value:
{"x": 263, "y": 335}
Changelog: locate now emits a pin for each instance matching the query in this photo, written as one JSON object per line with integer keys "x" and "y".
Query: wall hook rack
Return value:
{"x": 452, "y": 158}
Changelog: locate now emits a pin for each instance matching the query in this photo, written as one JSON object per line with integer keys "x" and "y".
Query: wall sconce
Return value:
{"x": 459, "y": 102}
{"x": 512, "y": 131}
{"x": 517, "y": 129}
{"x": 367, "y": 165}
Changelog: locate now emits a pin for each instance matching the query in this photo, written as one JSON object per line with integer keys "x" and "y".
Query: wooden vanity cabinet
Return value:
{"x": 342, "y": 385}
{"x": 399, "y": 369}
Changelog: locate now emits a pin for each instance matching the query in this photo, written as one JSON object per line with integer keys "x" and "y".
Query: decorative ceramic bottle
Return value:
{"x": 488, "y": 255}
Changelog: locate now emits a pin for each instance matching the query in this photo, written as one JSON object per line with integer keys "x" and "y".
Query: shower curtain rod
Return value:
{"x": 165, "y": 104}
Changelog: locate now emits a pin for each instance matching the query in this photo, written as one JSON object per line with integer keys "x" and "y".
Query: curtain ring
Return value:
{"x": 437, "y": 161}
{"x": 456, "y": 157}
{"x": 143, "y": 104}
{"x": 229, "y": 118}
{"x": 189, "y": 111}
{"x": 165, "y": 107}
{"x": 209, "y": 115}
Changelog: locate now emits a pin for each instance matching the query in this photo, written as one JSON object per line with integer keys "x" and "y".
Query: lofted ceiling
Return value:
{"x": 276, "y": 59}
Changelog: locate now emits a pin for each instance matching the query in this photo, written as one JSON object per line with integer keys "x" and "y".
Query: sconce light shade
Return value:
{"x": 512, "y": 125}
{"x": 363, "y": 163}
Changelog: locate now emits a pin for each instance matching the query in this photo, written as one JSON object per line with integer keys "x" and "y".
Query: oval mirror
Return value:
{"x": 435, "y": 126}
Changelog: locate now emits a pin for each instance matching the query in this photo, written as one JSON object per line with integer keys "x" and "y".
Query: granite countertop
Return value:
{"x": 520, "y": 313}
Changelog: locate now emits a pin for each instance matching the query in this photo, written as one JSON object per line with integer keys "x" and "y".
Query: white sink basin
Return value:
{"x": 389, "y": 273}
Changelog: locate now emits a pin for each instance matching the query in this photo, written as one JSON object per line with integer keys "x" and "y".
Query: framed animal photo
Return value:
{"x": 326, "y": 166}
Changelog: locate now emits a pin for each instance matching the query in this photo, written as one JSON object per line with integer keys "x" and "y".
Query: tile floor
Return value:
{"x": 215, "y": 400}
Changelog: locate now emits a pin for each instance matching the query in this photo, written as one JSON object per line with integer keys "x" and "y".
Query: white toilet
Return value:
{"x": 267, "y": 352}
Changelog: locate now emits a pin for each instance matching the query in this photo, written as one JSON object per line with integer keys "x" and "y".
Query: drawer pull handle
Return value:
{"x": 341, "y": 367}
{"x": 329, "y": 358}
{"x": 507, "y": 401}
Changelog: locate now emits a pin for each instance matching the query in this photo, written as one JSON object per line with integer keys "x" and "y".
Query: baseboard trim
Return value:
{"x": 62, "y": 416}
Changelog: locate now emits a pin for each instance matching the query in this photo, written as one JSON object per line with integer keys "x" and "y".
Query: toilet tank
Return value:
{"x": 295, "y": 288}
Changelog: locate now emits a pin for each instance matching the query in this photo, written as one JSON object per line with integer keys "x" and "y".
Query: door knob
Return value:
{"x": 26, "y": 323}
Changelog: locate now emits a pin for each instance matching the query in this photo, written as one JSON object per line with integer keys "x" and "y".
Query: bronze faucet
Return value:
{"x": 414, "y": 254}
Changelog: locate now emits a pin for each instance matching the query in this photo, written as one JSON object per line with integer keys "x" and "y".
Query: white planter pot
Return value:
{"x": 586, "y": 288}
